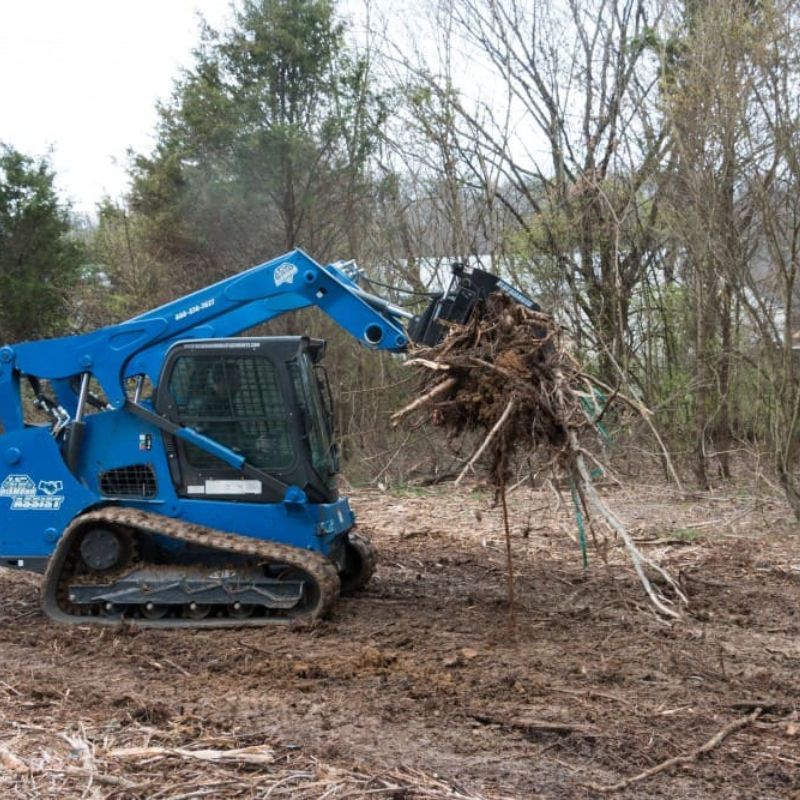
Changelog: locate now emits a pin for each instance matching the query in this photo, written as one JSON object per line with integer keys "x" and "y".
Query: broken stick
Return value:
{"x": 638, "y": 559}
{"x": 440, "y": 388}
{"x": 688, "y": 758}
{"x": 477, "y": 454}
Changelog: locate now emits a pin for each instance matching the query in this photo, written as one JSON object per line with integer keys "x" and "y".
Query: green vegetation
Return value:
{"x": 264, "y": 144}
{"x": 40, "y": 256}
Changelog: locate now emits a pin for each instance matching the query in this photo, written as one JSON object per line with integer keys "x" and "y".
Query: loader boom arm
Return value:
{"x": 137, "y": 347}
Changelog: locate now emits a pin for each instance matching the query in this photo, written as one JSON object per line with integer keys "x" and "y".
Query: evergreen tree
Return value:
{"x": 264, "y": 144}
{"x": 39, "y": 258}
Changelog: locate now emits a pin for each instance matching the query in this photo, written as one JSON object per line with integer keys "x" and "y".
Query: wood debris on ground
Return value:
{"x": 261, "y": 771}
{"x": 509, "y": 375}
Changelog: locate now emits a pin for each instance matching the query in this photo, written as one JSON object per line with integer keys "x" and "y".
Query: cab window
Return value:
{"x": 236, "y": 401}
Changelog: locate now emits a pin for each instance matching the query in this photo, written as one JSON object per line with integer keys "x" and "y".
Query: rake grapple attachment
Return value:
{"x": 468, "y": 289}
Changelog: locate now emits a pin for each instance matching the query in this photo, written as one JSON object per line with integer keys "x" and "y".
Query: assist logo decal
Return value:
{"x": 24, "y": 493}
{"x": 285, "y": 274}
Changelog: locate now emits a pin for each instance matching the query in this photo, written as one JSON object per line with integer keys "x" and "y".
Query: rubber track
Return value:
{"x": 311, "y": 562}
{"x": 368, "y": 555}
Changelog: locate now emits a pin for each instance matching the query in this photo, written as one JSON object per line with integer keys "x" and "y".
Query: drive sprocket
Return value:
{"x": 360, "y": 558}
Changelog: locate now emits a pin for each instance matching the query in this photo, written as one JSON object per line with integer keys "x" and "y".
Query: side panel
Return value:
{"x": 39, "y": 496}
{"x": 116, "y": 439}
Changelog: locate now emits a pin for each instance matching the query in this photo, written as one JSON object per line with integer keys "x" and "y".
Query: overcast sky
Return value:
{"x": 81, "y": 78}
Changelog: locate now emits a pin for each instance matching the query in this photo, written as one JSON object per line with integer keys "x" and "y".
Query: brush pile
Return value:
{"x": 509, "y": 375}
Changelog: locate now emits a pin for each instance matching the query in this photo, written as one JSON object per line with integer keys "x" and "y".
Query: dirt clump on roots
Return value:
{"x": 507, "y": 374}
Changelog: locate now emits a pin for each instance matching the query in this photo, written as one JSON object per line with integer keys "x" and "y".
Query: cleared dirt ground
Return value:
{"x": 418, "y": 688}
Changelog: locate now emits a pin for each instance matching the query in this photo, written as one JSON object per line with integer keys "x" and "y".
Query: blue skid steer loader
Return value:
{"x": 209, "y": 498}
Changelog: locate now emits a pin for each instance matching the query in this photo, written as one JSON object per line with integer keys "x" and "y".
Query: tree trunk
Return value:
{"x": 722, "y": 437}
{"x": 785, "y": 467}
{"x": 701, "y": 380}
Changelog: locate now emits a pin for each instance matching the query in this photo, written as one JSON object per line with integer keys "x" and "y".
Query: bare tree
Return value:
{"x": 768, "y": 285}
{"x": 570, "y": 142}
